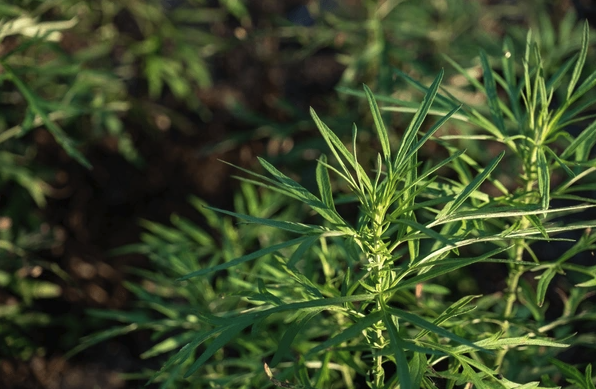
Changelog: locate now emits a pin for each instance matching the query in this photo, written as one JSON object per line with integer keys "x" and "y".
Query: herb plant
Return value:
{"x": 342, "y": 300}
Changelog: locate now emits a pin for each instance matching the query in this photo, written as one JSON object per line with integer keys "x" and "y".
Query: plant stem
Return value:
{"x": 531, "y": 176}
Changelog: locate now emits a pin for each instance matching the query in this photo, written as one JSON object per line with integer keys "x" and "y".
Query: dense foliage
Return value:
{"x": 445, "y": 240}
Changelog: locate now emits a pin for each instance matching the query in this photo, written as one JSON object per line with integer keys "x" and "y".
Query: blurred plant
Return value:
{"x": 363, "y": 302}
{"x": 41, "y": 85}
{"x": 157, "y": 46}
{"x": 21, "y": 287}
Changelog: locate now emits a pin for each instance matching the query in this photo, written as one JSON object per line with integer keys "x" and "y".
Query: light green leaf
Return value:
{"x": 396, "y": 347}
{"x": 579, "y": 65}
{"x": 422, "y": 323}
{"x": 543, "y": 179}
{"x": 491, "y": 92}
{"x": 586, "y": 136}
{"x": 379, "y": 125}
{"x": 303, "y": 194}
{"x": 587, "y": 284}
{"x": 324, "y": 183}
{"x": 451, "y": 207}
{"x": 412, "y": 130}
{"x": 299, "y": 228}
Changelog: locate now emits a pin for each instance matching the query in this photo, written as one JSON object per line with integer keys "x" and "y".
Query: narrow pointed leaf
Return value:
{"x": 307, "y": 197}
{"x": 245, "y": 258}
{"x": 491, "y": 92}
{"x": 431, "y": 132}
{"x": 324, "y": 183}
{"x": 379, "y": 125}
{"x": 219, "y": 342}
{"x": 586, "y": 136}
{"x": 352, "y": 332}
{"x": 579, "y": 65}
{"x": 416, "y": 123}
{"x": 288, "y": 337}
{"x": 470, "y": 188}
{"x": 543, "y": 179}
{"x": 543, "y": 284}
{"x": 396, "y": 347}
{"x": 299, "y": 228}
{"x": 422, "y": 323}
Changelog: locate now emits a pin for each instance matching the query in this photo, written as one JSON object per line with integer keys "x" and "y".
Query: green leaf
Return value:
{"x": 543, "y": 179}
{"x": 303, "y": 194}
{"x": 35, "y": 105}
{"x": 244, "y": 258}
{"x": 543, "y": 283}
{"x": 379, "y": 125}
{"x": 572, "y": 375}
{"x": 418, "y": 365}
{"x": 586, "y": 136}
{"x": 352, "y": 332}
{"x": 579, "y": 65}
{"x": 470, "y": 188}
{"x": 227, "y": 335}
{"x": 454, "y": 309}
{"x": 168, "y": 344}
{"x": 324, "y": 183}
{"x": 491, "y": 93}
{"x": 412, "y": 130}
{"x": 425, "y": 230}
{"x": 561, "y": 163}
{"x": 339, "y": 150}
{"x": 288, "y": 337}
{"x": 587, "y": 284}
{"x": 441, "y": 267}
{"x": 396, "y": 347}
{"x": 422, "y": 323}
{"x": 283, "y": 225}
{"x": 431, "y": 132}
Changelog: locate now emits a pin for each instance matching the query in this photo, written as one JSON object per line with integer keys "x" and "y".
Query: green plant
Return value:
{"x": 370, "y": 298}
{"x": 41, "y": 86}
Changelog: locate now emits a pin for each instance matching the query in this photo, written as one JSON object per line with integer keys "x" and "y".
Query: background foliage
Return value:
{"x": 151, "y": 93}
